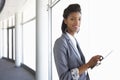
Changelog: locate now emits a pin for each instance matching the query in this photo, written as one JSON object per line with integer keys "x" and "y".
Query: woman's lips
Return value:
{"x": 76, "y": 26}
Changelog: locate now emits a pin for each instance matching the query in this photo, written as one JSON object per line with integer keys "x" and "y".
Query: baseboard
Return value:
{"x": 28, "y": 69}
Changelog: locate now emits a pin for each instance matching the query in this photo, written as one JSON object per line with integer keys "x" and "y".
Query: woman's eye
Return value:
{"x": 72, "y": 19}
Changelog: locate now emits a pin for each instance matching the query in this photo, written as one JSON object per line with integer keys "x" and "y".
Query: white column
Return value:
{"x": 42, "y": 40}
{"x": 18, "y": 39}
{"x": 50, "y": 40}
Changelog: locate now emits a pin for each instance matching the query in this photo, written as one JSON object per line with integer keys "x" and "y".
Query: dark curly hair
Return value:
{"x": 71, "y": 8}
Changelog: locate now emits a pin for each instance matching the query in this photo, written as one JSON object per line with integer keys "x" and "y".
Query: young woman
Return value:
{"x": 69, "y": 59}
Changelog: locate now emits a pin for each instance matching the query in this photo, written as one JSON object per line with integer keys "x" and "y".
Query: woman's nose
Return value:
{"x": 77, "y": 22}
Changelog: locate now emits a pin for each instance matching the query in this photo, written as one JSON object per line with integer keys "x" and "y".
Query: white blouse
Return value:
{"x": 74, "y": 43}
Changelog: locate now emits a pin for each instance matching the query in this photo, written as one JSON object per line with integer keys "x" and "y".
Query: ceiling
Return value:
{"x": 11, "y": 7}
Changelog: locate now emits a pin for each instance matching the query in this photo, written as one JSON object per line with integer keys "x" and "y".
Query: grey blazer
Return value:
{"x": 66, "y": 58}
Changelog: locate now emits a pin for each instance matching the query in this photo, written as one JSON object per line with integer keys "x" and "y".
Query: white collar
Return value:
{"x": 72, "y": 38}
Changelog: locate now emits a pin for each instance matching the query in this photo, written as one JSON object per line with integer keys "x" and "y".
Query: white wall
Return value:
{"x": 104, "y": 29}
{"x": 98, "y": 34}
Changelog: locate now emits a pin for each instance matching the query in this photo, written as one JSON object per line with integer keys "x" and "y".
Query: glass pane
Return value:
{"x": 1, "y": 38}
{"x": 5, "y": 43}
{"x": 29, "y": 44}
{"x": 13, "y": 43}
{"x": 10, "y": 43}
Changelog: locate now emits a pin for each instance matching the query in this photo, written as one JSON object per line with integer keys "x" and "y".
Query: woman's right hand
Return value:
{"x": 93, "y": 61}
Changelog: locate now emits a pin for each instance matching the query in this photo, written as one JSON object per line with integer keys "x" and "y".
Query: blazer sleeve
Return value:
{"x": 60, "y": 57}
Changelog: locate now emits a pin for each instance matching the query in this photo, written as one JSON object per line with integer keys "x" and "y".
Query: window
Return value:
{"x": 29, "y": 44}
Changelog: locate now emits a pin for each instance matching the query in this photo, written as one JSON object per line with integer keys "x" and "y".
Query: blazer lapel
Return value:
{"x": 76, "y": 52}
{"x": 80, "y": 52}
{"x": 71, "y": 44}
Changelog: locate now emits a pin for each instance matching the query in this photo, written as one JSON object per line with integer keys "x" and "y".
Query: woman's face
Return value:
{"x": 73, "y": 22}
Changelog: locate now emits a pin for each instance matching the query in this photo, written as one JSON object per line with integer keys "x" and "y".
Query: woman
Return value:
{"x": 69, "y": 59}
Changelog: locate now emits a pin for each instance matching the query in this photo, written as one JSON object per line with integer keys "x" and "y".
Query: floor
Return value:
{"x": 8, "y": 71}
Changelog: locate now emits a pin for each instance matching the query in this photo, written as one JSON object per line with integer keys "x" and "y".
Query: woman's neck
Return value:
{"x": 71, "y": 33}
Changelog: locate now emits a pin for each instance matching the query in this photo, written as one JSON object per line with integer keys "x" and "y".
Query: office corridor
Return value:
{"x": 8, "y": 71}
